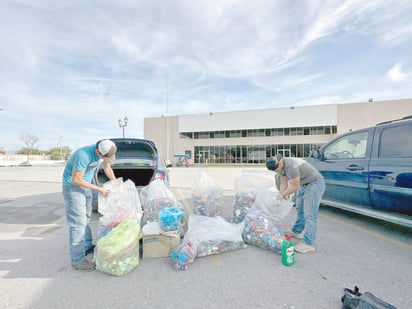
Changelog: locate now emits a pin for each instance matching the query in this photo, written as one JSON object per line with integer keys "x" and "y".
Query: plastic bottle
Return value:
{"x": 288, "y": 251}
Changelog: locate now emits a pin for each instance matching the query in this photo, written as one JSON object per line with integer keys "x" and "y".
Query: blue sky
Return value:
{"x": 71, "y": 69}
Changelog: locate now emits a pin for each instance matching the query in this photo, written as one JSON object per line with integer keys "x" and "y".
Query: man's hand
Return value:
{"x": 104, "y": 191}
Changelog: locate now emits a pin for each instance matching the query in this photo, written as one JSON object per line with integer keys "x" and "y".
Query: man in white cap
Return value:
{"x": 77, "y": 194}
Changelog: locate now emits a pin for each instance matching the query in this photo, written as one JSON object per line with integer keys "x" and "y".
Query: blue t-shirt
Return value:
{"x": 83, "y": 159}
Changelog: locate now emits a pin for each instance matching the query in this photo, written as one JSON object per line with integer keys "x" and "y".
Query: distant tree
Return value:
{"x": 29, "y": 140}
{"x": 59, "y": 153}
{"x": 2, "y": 150}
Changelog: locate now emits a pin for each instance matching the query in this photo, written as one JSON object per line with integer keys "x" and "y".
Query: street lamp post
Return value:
{"x": 123, "y": 123}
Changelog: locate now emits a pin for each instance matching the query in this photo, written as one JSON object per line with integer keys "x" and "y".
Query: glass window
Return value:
{"x": 186, "y": 135}
{"x": 219, "y": 134}
{"x": 235, "y": 133}
{"x": 203, "y": 135}
{"x": 396, "y": 142}
{"x": 348, "y": 147}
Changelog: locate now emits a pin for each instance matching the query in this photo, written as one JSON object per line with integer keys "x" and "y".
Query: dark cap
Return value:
{"x": 272, "y": 163}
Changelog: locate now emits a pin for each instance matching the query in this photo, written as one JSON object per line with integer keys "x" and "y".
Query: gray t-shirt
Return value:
{"x": 296, "y": 167}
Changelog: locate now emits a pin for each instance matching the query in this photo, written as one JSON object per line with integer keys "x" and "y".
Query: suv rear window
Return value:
{"x": 396, "y": 142}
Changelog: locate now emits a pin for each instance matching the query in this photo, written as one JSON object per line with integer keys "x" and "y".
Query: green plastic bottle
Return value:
{"x": 288, "y": 251}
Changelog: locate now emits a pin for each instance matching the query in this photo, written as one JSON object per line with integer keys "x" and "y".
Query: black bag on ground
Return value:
{"x": 352, "y": 299}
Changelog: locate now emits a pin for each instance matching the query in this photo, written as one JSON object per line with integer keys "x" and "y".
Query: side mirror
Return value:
{"x": 315, "y": 154}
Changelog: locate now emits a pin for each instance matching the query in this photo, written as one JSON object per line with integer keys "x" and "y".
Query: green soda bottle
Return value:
{"x": 288, "y": 251}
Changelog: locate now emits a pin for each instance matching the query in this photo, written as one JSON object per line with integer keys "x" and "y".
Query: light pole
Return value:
{"x": 123, "y": 123}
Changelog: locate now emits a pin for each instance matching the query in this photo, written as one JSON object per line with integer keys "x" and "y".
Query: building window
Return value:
{"x": 321, "y": 130}
{"x": 186, "y": 135}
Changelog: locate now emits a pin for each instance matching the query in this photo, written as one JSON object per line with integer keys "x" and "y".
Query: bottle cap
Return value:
{"x": 288, "y": 237}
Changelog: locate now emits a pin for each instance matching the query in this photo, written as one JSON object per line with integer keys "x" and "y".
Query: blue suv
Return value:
{"x": 369, "y": 171}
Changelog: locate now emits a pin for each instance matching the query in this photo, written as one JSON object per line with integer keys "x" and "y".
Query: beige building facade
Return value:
{"x": 249, "y": 137}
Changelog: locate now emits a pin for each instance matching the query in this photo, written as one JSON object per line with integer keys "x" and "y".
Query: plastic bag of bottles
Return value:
{"x": 207, "y": 196}
{"x": 157, "y": 196}
{"x": 247, "y": 187}
{"x": 263, "y": 230}
{"x": 122, "y": 203}
{"x": 183, "y": 255}
{"x": 267, "y": 201}
{"x": 117, "y": 253}
{"x": 213, "y": 235}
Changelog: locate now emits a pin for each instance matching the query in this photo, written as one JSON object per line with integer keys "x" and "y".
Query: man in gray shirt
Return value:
{"x": 299, "y": 176}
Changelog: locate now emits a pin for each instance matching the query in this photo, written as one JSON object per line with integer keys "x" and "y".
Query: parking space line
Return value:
{"x": 217, "y": 260}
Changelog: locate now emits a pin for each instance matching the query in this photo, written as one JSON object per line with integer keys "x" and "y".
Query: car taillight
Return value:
{"x": 160, "y": 176}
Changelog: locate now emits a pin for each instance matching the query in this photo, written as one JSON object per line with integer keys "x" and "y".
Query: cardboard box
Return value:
{"x": 156, "y": 246}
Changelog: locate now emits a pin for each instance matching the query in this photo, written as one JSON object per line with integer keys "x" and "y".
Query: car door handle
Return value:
{"x": 355, "y": 168}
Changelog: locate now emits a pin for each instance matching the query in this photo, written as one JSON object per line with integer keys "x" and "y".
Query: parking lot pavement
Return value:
{"x": 36, "y": 273}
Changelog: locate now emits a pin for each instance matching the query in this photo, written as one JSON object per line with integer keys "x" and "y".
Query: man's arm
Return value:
{"x": 77, "y": 179}
{"x": 286, "y": 190}
{"x": 108, "y": 171}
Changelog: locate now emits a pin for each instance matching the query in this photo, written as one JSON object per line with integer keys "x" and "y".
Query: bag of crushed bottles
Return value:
{"x": 267, "y": 201}
{"x": 183, "y": 256}
{"x": 263, "y": 230}
{"x": 170, "y": 218}
{"x": 121, "y": 203}
{"x": 117, "y": 253}
{"x": 207, "y": 195}
{"x": 213, "y": 235}
{"x": 158, "y": 197}
{"x": 247, "y": 186}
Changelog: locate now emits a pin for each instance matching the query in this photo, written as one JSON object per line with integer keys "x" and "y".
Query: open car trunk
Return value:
{"x": 135, "y": 160}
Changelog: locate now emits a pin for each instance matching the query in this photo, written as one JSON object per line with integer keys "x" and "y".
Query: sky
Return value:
{"x": 71, "y": 69}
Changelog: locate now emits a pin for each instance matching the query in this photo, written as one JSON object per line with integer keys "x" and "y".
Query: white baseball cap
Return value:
{"x": 108, "y": 149}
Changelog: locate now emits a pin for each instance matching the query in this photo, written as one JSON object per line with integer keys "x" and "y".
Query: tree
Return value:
{"x": 60, "y": 152}
{"x": 29, "y": 140}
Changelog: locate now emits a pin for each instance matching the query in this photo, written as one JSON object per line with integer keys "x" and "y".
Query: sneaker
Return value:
{"x": 302, "y": 247}
{"x": 293, "y": 234}
{"x": 90, "y": 250}
{"x": 85, "y": 265}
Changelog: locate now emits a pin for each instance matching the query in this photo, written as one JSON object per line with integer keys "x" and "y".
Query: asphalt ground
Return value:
{"x": 35, "y": 268}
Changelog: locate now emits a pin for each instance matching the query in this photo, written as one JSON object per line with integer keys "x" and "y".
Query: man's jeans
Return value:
{"x": 78, "y": 204}
{"x": 307, "y": 207}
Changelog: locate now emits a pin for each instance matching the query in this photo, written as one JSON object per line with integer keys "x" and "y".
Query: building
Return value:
{"x": 249, "y": 137}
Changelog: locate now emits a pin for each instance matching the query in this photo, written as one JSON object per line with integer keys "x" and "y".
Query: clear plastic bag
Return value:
{"x": 207, "y": 196}
{"x": 183, "y": 256}
{"x": 247, "y": 187}
{"x": 158, "y": 197}
{"x": 121, "y": 203}
{"x": 263, "y": 230}
{"x": 117, "y": 253}
{"x": 267, "y": 201}
{"x": 213, "y": 235}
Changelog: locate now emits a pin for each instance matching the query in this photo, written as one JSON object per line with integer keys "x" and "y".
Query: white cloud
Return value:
{"x": 72, "y": 68}
{"x": 395, "y": 73}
